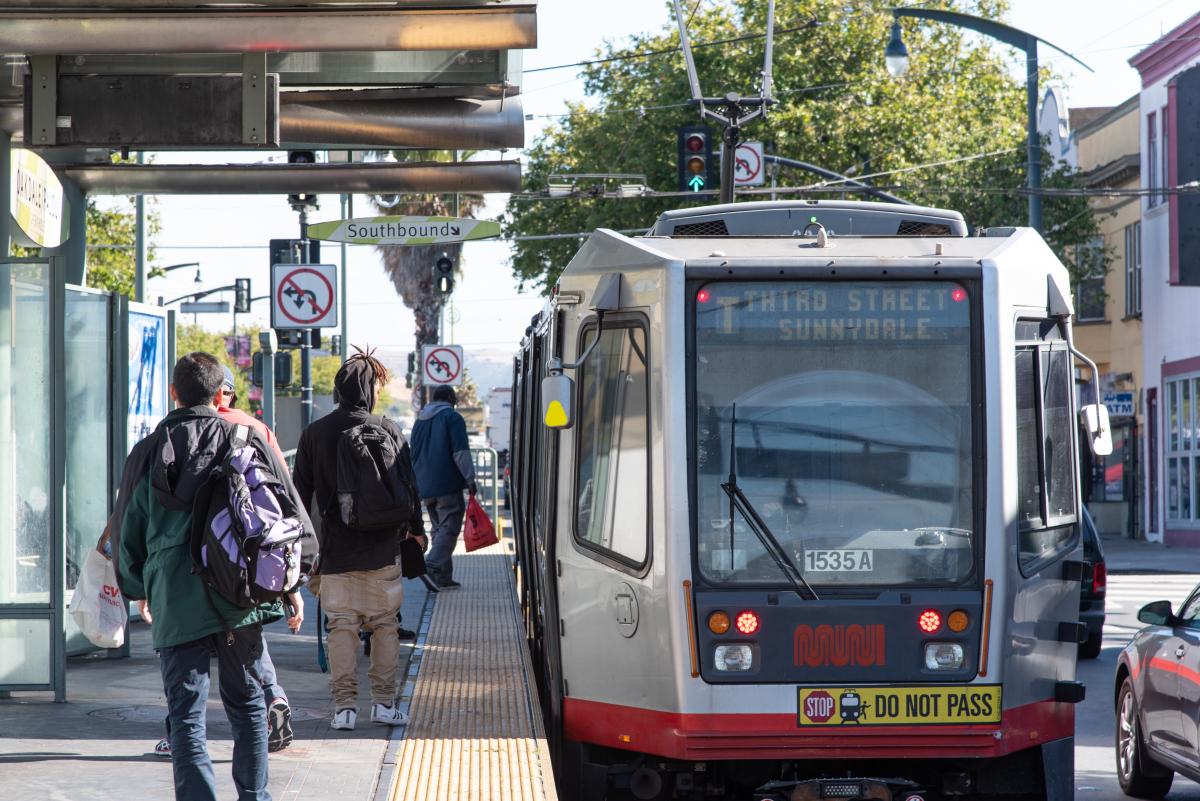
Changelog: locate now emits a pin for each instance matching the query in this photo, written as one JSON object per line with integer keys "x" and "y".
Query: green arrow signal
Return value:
{"x": 696, "y": 183}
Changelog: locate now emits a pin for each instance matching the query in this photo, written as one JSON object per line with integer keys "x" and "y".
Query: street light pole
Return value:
{"x": 897, "y": 63}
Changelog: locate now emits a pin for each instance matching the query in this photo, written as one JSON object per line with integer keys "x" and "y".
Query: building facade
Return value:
{"x": 1108, "y": 311}
{"x": 1169, "y": 136}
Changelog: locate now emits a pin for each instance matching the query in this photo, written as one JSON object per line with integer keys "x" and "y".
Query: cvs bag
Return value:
{"x": 373, "y": 491}
{"x": 245, "y": 530}
{"x": 98, "y": 607}
{"x": 478, "y": 531}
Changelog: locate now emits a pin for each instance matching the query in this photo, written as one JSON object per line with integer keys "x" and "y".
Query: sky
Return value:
{"x": 228, "y": 234}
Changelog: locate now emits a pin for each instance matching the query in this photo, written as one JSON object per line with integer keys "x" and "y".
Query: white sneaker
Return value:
{"x": 387, "y": 715}
{"x": 344, "y": 719}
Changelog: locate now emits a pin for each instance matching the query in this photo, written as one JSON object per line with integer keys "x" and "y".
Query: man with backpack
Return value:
{"x": 279, "y": 711}
{"x": 209, "y": 530}
{"x": 442, "y": 458}
{"x": 354, "y": 473}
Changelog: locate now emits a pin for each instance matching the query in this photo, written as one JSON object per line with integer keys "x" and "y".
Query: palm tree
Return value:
{"x": 411, "y": 268}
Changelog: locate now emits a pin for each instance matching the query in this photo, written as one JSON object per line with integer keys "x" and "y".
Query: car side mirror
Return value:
{"x": 1095, "y": 422}
{"x": 558, "y": 401}
{"x": 1157, "y": 613}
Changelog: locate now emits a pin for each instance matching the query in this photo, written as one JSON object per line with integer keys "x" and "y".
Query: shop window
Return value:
{"x": 1182, "y": 458}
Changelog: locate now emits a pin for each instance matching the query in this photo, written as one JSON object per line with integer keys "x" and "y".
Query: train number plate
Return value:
{"x": 839, "y": 561}
{"x": 892, "y": 706}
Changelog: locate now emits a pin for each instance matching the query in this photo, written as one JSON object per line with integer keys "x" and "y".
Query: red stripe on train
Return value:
{"x": 776, "y": 736}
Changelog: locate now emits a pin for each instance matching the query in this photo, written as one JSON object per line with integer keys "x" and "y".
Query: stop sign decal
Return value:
{"x": 819, "y": 706}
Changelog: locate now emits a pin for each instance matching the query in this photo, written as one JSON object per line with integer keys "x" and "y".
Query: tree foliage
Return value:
{"x": 411, "y": 268}
{"x": 838, "y": 109}
{"x": 113, "y": 268}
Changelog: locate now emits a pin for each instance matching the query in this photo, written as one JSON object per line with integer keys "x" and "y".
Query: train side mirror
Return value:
{"x": 558, "y": 401}
{"x": 1095, "y": 422}
{"x": 1157, "y": 613}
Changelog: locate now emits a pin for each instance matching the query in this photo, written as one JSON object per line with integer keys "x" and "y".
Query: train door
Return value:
{"x": 1046, "y": 603}
{"x": 604, "y": 534}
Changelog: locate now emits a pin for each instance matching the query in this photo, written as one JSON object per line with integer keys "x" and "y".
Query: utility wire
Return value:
{"x": 666, "y": 51}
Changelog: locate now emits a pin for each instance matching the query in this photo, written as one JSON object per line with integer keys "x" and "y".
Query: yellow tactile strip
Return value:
{"x": 474, "y": 731}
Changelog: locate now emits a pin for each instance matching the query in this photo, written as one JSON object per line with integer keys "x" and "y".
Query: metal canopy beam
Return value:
{"x": 355, "y": 119}
{"x": 282, "y": 179}
{"x": 376, "y": 118}
{"x": 236, "y": 30}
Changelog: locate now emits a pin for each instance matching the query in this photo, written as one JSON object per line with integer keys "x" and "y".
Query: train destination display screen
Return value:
{"x": 837, "y": 312}
{"x": 850, "y": 403}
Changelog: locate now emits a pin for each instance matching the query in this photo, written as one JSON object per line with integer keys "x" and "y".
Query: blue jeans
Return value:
{"x": 186, "y": 681}
{"x": 446, "y": 513}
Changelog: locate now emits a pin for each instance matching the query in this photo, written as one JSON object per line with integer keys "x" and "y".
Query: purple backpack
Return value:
{"x": 246, "y": 533}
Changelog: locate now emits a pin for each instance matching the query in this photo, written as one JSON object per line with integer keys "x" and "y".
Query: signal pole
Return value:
{"x": 737, "y": 110}
{"x": 306, "y": 401}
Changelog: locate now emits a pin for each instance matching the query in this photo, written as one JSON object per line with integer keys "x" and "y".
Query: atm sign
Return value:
{"x": 898, "y": 706}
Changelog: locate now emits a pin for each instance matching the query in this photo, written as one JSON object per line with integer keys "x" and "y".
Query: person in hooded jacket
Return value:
{"x": 361, "y": 582}
{"x": 442, "y": 459}
{"x": 151, "y": 530}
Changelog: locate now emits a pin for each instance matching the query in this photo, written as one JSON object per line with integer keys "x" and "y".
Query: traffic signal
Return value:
{"x": 283, "y": 369}
{"x": 294, "y": 337}
{"x": 695, "y": 159}
{"x": 241, "y": 295}
{"x": 284, "y": 251}
{"x": 302, "y": 157}
{"x": 443, "y": 275}
{"x": 335, "y": 345}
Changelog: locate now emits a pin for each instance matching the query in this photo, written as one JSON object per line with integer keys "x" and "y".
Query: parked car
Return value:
{"x": 1093, "y": 589}
{"x": 1158, "y": 700}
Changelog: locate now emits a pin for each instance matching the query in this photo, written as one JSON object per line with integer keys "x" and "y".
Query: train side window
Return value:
{"x": 612, "y": 462}
{"x": 1045, "y": 444}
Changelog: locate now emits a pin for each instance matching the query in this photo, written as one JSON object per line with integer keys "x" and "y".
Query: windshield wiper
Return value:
{"x": 739, "y": 501}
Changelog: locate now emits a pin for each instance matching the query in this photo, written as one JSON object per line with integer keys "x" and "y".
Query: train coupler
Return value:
{"x": 842, "y": 789}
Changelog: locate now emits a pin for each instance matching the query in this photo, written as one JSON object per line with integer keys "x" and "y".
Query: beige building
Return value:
{"x": 1108, "y": 309}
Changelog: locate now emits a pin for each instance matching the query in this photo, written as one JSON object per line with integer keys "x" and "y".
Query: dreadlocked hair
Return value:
{"x": 379, "y": 374}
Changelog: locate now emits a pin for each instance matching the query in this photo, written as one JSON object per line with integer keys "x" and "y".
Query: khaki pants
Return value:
{"x": 368, "y": 599}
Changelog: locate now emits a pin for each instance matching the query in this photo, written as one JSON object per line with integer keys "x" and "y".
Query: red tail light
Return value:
{"x": 1099, "y": 578}
{"x": 930, "y": 621}
{"x": 747, "y": 622}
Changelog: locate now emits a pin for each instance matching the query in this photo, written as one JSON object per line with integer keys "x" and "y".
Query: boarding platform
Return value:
{"x": 475, "y": 729}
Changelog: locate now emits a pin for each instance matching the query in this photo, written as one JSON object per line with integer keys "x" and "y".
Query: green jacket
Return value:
{"x": 152, "y": 524}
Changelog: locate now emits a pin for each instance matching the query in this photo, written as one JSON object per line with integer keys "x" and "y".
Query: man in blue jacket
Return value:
{"x": 444, "y": 467}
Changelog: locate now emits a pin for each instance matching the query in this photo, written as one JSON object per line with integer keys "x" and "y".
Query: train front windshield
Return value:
{"x": 850, "y": 406}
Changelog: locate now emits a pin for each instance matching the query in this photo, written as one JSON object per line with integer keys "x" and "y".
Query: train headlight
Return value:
{"x": 733, "y": 658}
{"x": 943, "y": 656}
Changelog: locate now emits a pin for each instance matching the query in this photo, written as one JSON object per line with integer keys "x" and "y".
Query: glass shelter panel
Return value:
{"x": 88, "y": 411}
{"x": 25, "y": 530}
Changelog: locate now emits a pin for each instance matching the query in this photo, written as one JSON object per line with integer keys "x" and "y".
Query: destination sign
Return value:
{"x": 834, "y": 312}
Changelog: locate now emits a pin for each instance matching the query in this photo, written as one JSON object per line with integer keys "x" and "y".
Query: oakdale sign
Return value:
{"x": 37, "y": 202}
{"x": 403, "y": 230}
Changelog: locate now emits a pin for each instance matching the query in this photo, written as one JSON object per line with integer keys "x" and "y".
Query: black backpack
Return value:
{"x": 374, "y": 491}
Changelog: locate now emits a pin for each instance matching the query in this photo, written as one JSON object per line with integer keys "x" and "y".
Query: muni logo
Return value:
{"x": 858, "y": 645}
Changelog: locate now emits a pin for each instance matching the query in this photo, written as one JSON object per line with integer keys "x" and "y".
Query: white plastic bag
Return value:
{"x": 98, "y": 607}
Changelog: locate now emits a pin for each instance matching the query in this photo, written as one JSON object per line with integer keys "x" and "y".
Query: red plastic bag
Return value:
{"x": 478, "y": 531}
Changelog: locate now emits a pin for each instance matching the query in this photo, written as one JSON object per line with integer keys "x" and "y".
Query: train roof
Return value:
{"x": 791, "y": 217}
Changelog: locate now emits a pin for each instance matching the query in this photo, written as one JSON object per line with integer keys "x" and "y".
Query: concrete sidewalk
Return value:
{"x": 1123, "y": 555}
{"x": 100, "y": 744}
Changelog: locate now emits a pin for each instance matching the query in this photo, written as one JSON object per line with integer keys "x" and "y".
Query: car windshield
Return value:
{"x": 852, "y": 405}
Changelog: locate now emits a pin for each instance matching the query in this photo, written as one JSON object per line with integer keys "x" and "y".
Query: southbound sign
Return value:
{"x": 403, "y": 230}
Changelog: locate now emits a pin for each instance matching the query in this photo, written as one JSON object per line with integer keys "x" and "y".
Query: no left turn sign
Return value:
{"x": 304, "y": 296}
{"x": 442, "y": 365}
